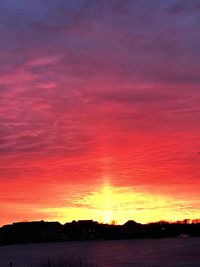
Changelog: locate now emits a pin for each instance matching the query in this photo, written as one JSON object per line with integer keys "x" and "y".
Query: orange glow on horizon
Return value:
{"x": 110, "y": 203}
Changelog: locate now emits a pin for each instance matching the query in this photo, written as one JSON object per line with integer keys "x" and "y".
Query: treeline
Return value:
{"x": 41, "y": 231}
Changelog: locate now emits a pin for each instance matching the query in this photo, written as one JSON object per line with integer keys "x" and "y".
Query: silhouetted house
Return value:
{"x": 88, "y": 229}
{"x": 131, "y": 229}
{"x": 41, "y": 231}
{"x": 131, "y": 224}
{"x": 53, "y": 231}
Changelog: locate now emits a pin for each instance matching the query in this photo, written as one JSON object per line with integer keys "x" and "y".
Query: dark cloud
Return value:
{"x": 185, "y": 7}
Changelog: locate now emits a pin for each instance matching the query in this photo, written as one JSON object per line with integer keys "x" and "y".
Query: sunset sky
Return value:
{"x": 99, "y": 110}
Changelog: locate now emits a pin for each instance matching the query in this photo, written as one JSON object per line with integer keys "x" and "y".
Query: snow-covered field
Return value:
{"x": 120, "y": 253}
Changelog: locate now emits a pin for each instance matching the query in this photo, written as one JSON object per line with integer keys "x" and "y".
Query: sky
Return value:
{"x": 99, "y": 110}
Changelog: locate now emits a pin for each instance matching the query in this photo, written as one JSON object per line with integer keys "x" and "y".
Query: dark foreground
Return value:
{"x": 40, "y": 231}
{"x": 183, "y": 252}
